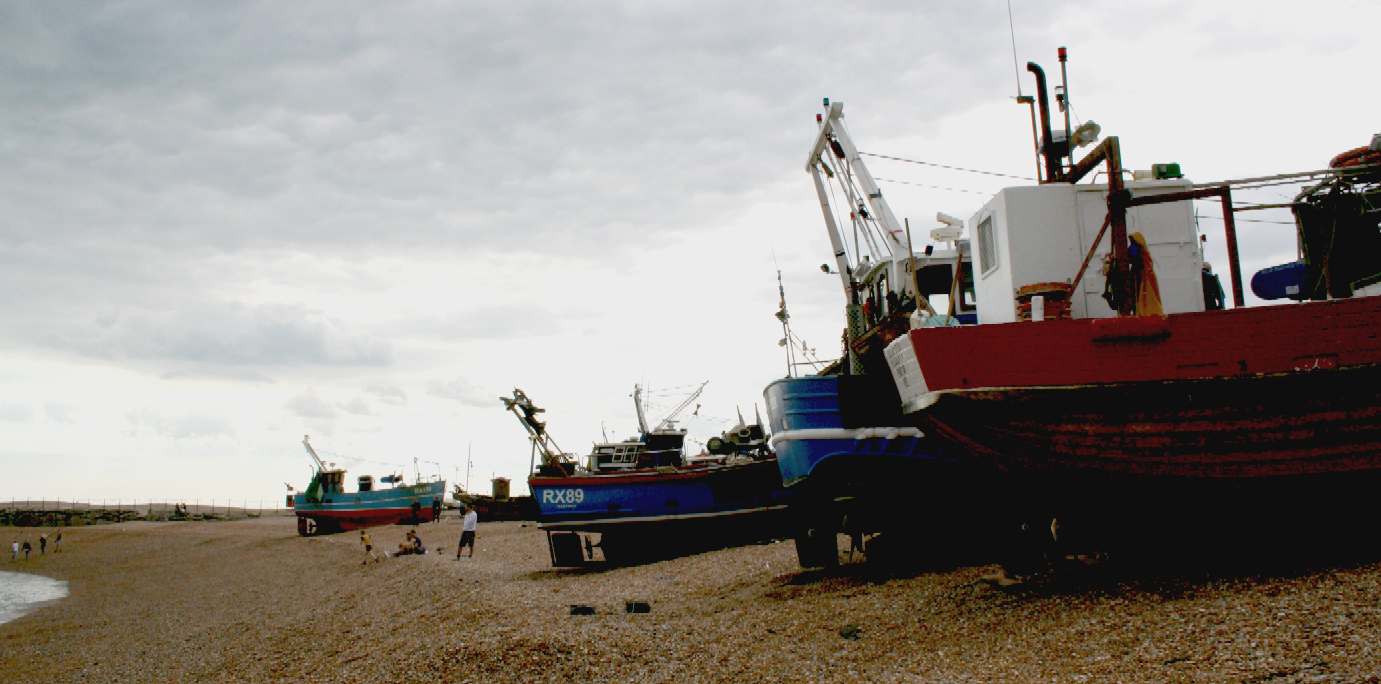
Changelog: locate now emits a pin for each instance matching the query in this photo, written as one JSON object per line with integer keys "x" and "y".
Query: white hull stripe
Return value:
{"x": 846, "y": 433}
{"x": 578, "y": 524}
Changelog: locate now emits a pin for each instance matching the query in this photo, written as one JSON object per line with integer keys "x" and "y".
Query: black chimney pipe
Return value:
{"x": 1052, "y": 163}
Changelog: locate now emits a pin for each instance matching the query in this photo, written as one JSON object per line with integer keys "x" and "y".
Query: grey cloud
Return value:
{"x": 429, "y": 123}
{"x": 112, "y": 309}
{"x": 389, "y": 394}
{"x": 58, "y": 413}
{"x": 463, "y": 391}
{"x": 200, "y": 426}
{"x": 190, "y": 426}
{"x": 16, "y": 412}
{"x": 493, "y": 322}
{"x": 309, "y": 405}
{"x": 212, "y": 371}
{"x": 163, "y": 307}
{"x": 357, "y": 406}
{"x": 234, "y": 334}
{"x": 156, "y": 152}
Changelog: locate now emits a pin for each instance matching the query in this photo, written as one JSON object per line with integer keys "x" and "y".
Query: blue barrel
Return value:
{"x": 1285, "y": 281}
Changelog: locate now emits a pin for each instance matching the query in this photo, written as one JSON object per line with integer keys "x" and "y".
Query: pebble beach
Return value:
{"x": 250, "y": 601}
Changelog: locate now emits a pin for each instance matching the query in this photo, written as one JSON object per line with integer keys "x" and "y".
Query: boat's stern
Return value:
{"x": 829, "y": 422}
{"x": 907, "y": 375}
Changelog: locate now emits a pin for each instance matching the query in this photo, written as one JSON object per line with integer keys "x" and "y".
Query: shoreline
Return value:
{"x": 13, "y": 605}
{"x": 250, "y": 601}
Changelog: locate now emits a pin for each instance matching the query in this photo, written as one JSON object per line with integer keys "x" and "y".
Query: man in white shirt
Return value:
{"x": 467, "y": 531}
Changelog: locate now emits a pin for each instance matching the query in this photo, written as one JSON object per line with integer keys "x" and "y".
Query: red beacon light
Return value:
{"x": 819, "y": 118}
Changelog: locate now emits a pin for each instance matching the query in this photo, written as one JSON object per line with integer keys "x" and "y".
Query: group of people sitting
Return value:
{"x": 412, "y": 543}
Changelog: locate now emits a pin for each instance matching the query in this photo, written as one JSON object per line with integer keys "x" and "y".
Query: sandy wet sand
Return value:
{"x": 251, "y": 601}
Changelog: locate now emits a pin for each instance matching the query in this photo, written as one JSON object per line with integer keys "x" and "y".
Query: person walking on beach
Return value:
{"x": 467, "y": 532}
{"x": 57, "y": 541}
{"x": 14, "y": 550}
{"x": 27, "y": 548}
{"x": 42, "y": 544}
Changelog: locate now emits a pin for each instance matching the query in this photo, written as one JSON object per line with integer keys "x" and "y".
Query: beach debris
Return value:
{"x": 851, "y": 631}
{"x": 581, "y": 609}
{"x": 637, "y": 607}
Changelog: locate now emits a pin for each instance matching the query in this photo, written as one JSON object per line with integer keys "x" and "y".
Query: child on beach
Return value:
{"x": 42, "y": 544}
{"x": 368, "y": 548}
{"x": 27, "y": 548}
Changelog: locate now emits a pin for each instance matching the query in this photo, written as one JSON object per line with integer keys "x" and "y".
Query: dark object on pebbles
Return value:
{"x": 637, "y": 607}
{"x": 851, "y": 632}
{"x": 578, "y": 609}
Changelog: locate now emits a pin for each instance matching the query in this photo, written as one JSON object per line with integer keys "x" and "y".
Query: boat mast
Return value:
{"x": 526, "y": 411}
{"x": 834, "y": 135}
{"x": 850, "y": 167}
{"x": 312, "y": 452}
{"x": 638, "y": 405}
{"x": 785, "y": 317}
{"x": 668, "y": 422}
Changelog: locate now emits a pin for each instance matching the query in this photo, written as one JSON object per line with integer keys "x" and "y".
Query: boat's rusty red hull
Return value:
{"x": 1269, "y": 392}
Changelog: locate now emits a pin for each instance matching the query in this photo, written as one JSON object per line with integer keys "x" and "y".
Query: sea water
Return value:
{"x": 21, "y": 592}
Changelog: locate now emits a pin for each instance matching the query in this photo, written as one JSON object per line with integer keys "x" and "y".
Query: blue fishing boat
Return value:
{"x": 643, "y": 497}
{"x": 326, "y": 507}
{"x": 852, "y": 463}
{"x": 826, "y": 426}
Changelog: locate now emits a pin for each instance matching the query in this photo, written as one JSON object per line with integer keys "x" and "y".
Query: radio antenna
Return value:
{"x": 1029, "y": 101}
{"x": 1012, "y": 28}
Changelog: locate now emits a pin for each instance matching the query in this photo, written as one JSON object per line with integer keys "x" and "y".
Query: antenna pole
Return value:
{"x": 468, "y": 465}
{"x": 783, "y": 317}
{"x": 1064, "y": 84}
{"x": 1024, "y": 99}
{"x": 1016, "y": 68}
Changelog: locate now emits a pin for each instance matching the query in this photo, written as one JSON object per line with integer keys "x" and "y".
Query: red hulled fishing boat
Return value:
{"x": 1138, "y": 369}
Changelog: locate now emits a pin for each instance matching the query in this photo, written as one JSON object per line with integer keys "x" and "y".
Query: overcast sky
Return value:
{"x": 226, "y": 225}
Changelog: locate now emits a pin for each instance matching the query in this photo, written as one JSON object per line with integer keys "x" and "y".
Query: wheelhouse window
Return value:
{"x": 987, "y": 248}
